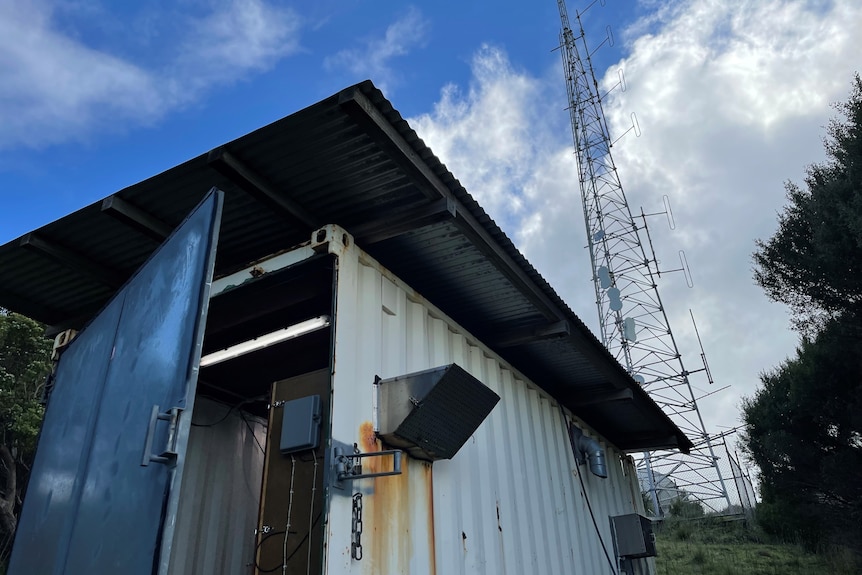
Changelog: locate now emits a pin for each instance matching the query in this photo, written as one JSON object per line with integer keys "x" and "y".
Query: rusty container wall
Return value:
{"x": 510, "y": 501}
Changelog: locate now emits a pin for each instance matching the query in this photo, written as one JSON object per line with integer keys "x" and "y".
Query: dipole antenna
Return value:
{"x": 633, "y": 323}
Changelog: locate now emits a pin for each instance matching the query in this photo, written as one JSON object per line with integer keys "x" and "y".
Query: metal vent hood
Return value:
{"x": 432, "y": 413}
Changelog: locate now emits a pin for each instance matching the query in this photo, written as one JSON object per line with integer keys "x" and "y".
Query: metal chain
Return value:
{"x": 356, "y": 528}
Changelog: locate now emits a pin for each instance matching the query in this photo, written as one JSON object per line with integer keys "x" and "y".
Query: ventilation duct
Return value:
{"x": 432, "y": 413}
{"x": 588, "y": 449}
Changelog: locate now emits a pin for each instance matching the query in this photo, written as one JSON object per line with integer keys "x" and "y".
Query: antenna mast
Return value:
{"x": 632, "y": 318}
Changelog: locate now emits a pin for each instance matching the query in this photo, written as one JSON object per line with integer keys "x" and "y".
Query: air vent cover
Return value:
{"x": 432, "y": 413}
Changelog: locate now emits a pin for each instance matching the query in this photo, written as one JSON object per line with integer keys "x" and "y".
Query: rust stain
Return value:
{"x": 368, "y": 443}
{"x": 394, "y": 509}
{"x": 367, "y": 437}
{"x": 390, "y": 516}
{"x": 432, "y": 551}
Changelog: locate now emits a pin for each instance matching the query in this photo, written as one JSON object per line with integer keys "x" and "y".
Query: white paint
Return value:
{"x": 258, "y": 269}
{"x": 518, "y": 465}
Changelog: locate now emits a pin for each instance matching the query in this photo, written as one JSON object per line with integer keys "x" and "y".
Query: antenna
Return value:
{"x": 633, "y": 323}
{"x": 702, "y": 352}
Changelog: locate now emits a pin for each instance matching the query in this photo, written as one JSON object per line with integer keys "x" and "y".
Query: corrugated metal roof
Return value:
{"x": 350, "y": 160}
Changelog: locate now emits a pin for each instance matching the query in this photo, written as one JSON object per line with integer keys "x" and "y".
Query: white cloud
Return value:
{"x": 731, "y": 98}
{"x": 373, "y": 59}
{"x": 54, "y": 87}
{"x": 51, "y": 85}
{"x": 492, "y": 136}
{"x": 240, "y": 37}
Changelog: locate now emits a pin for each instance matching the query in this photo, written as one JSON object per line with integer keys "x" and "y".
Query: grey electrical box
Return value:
{"x": 633, "y": 536}
{"x": 300, "y": 424}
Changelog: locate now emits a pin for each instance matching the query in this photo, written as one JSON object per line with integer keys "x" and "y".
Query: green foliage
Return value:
{"x": 683, "y": 507}
{"x": 649, "y": 508}
{"x": 25, "y": 357}
{"x": 803, "y": 427}
{"x": 813, "y": 263}
{"x": 715, "y": 546}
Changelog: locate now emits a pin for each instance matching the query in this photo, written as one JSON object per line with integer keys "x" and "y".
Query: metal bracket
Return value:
{"x": 346, "y": 463}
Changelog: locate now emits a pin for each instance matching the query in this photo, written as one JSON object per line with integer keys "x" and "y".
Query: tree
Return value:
{"x": 803, "y": 427}
{"x": 813, "y": 263}
{"x": 25, "y": 357}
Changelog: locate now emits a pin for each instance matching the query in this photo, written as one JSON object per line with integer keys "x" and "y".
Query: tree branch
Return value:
{"x": 8, "y": 521}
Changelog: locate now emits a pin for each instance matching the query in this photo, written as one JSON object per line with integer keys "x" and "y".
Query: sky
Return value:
{"x": 731, "y": 97}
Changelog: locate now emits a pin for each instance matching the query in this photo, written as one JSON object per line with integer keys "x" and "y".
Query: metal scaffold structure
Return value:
{"x": 632, "y": 319}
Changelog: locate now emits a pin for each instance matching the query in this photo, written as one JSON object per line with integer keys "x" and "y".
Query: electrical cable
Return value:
{"x": 257, "y": 550}
{"x": 248, "y": 425}
{"x": 584, "y": 491}
{"x": 292, "y": 553}
{"x": 289, "y": 510}
{"x": 310, "y": 515}
{"x": 225, "y": 416}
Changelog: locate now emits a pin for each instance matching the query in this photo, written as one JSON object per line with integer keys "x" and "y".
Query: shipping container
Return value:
{"x": 378, "y": 384}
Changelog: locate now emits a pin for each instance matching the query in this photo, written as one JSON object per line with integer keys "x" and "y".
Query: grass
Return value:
{"x": 711, "y": 546}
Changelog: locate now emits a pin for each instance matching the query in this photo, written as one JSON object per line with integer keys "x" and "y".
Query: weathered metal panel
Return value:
{"x": 219, "y": 499}
{"x": 509, "y": 502}
{"x": 140, "y": 352}
{"x": 352, "y": 168}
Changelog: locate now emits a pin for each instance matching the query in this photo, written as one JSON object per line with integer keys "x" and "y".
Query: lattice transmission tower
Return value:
{"x": 632, "y": 319}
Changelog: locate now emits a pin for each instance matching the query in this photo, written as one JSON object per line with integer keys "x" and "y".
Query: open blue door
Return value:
{"x": 103, "y": 489}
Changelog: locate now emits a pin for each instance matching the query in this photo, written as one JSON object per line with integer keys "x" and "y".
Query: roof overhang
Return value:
{"x": 349, "y": 160}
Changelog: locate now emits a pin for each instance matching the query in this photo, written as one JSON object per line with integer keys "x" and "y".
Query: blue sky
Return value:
{"x": 114, "y": 92}
{"x": 731, "y": 98}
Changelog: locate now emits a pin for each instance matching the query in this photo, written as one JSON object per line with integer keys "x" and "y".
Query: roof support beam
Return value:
{"x": 368, "y": 116}
{"x": 595, "y": 399}
{"x": 650, "y": 442}
{"x": 497, "y": 248}
{"x": 522, "y": 336}
{"x": 20, "y": 304}
{"x": 136, "y": 218}
{"x": 253, "y": 184}
{"x": 72, "y": 260}
{"x": 403, "y": 222}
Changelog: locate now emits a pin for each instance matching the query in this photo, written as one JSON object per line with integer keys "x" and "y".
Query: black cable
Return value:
{"x": 225, "y": 416}
{"x": 257, "y": 549}
{"x": 584, "y": 491}
{"x": 229, "y": 411}
{"x": 304, "y": 539}
{"x": 292, "y": 553}
{"x": 250, "y": 430}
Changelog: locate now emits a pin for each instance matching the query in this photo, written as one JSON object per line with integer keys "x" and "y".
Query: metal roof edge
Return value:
{"x": 481, "y": 217}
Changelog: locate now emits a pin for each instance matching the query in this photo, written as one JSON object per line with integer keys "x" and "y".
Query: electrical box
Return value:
{"x": 633, "y": 536}
{"x": 300, "y": 424}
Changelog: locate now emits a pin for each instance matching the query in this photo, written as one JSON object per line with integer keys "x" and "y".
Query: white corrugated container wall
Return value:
{"x": 220, "y": 494}
{"x": 509, "y": 502}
